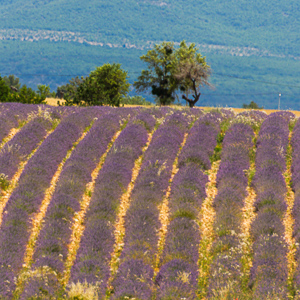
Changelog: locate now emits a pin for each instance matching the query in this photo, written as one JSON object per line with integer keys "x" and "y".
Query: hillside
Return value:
{"x": 257, "y": 41}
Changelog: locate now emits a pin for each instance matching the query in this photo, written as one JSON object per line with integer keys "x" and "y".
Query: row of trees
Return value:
{"x": 12, "y": 91}
{"x": 170, "y": 72}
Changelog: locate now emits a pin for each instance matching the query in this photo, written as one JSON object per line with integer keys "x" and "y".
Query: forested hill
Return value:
{"x": 257, "y": 40}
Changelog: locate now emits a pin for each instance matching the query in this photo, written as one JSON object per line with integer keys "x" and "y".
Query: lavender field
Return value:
{"x": 148, "y": 203}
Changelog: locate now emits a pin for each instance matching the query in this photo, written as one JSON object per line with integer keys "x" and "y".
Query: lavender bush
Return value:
{"x": 225, "y": 272}
{"x": 269, "y": 272}
{"x": 142, "y": 219}
{"x": 178, "y": 274}
{"x": 51, "y": 249}
{"x": 92, "y": 261}
{"x": 26, "y": 198}
{"x": 22, "y": 144}
{"x": 295, "y": 142}
{"x": 12, "y": 116}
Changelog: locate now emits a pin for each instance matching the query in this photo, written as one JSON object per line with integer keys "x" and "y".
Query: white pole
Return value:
{"x": 279, "y": 102}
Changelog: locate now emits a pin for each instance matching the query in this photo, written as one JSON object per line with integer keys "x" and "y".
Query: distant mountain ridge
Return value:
{"x": 256, "y": 39}
{"x": 263, "y": 24}
{"x": 78, "y": 37}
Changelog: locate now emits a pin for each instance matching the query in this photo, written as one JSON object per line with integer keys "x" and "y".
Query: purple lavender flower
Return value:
{"x": 177, "y": 279}
{"x": 92, "y": 262}
{"x": 142, "y": 219}
{"x": 22, "y": 145}
{"x": 51, "y": 249}
{"x": 134, "y": 280}
{"x": 12, "y": 116}
{"x": 231, "y": 182}
{"x": 269, "y": 271}
{"x": 27, "y": 197}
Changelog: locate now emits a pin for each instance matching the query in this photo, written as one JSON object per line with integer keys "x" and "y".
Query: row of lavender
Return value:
{"x": 231, "y": 183}
{"x": 22, "y": 144}
{"x": 52, "y": 244}
{"x": 177, "y": 278}
{"x": 269, "y": 273}
{"x": 94, "y": 254}
{"x": 12, "y": 116}
{"x": 135, "y": 274}
{"x": 295, "y": 142}
{"x": 26, "y": 198}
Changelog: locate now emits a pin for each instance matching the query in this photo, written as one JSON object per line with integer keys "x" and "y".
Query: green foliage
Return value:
{"x": 270, "y": 52}
{"x": 191, "y": 72}
{"x": 269, "y": 25}
{"x": 69, "y": 90}
{"x": 4, "y": 90}
{"x": 135, "y": 100}
{"x": 159, "y": 76}
{"x": 65, "y": 58}
{"x": 4, "y": 183}
{"x": 170, "y": 69}
{"x": 104, "y": 86}
{"x": 218, "y": 149}
{"x": 252, "y": 105}
{"x": 13, "y": 81}
{"x": 43, "y": 90}
{"x": 26, "y": 95}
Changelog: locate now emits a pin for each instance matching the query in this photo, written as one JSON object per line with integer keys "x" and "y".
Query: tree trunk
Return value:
{"x": 192, "y": 102}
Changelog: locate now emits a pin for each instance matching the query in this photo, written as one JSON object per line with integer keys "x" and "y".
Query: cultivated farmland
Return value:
{"x": 148, "y": 203}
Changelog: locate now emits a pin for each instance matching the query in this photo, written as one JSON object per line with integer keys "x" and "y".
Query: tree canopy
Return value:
{"x": 4, "y": 90}
{"x": 159, "y": 75}
{"x": 12, "y": 82}
{"x": 191, "y": 73}
{"x": 23, "y": 94}
{"x": 170, "y": 70}
{"x": 106, "y": 85}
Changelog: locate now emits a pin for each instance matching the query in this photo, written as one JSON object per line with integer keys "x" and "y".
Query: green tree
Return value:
{"x": 43, "y": 90}
{"x": 159, "y": 75}
{"x": 106, "y": 85}
{"x": 4, "y": 90}
{"x": 12, "y": 82}
{"x": 170, "y": 70}
{"x": 252, "y": 105}
{"x": 191, "y": 72}
{"x": 69, "y": 90}
{"x": 26, "y": 95}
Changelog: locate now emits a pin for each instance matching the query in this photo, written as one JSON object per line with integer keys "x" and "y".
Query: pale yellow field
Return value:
{"x": 53, "y": 101}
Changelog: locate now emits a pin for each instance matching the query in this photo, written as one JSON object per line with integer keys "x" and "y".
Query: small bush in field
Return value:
{"x": 82, "y": 291}
{"x": 4, "y": 183}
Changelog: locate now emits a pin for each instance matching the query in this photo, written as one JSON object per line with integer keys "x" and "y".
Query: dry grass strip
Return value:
{"x": 14, "y": 181}
{"x": 206, "y": 219}
{"x": 246, "y": 241}
{"x": 37, "y": 219}
{"x": 164, "y": 211}
{"x": 288, "y": 220}
{"x": 78, "y": 221}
